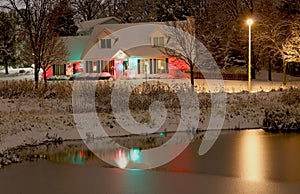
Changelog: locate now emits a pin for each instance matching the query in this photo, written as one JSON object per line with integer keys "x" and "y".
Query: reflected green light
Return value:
{"x": 77, "y": 158}
{"x": 135, "y": 155}
{"x": 136, "y": 170}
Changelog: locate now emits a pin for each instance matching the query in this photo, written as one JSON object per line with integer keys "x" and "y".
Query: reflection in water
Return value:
{"x": 252, "y": 156}
{"x": 121, "y": 159}
{"x": 135, "y": 155}
{"x": 239, "y": 162}
{"x": 73, "y": 157}
{"x": 121, "y": 156}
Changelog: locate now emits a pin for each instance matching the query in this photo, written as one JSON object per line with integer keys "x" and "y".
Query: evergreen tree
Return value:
{"x": 7, "y": 39}
{"x": 63, "y": 19}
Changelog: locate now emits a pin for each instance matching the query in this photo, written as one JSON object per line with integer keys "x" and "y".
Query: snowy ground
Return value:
{"x": 26, "y": 121}
{"x": 15, "y": 74}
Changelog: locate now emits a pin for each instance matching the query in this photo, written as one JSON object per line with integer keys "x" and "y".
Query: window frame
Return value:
{"x": 105, "y": 43}
{"x": 158, "y": 41}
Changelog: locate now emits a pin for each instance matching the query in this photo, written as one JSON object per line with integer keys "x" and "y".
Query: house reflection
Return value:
{"x": 120, "y": 157}
{"x": 72, "y": 157}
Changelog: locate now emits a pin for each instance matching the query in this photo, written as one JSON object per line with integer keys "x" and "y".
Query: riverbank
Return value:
{"x": 30, "y": 117}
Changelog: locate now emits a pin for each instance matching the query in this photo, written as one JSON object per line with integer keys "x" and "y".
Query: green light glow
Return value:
{"x": 135, "y": 155}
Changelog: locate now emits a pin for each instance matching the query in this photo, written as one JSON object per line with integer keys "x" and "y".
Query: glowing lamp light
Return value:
{"x": 249, "y": 22}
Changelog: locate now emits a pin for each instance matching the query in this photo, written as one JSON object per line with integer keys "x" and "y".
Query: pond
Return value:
{"x": 249, "y": 161}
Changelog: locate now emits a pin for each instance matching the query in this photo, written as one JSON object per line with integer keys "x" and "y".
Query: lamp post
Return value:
{"x": 249, "y": 22}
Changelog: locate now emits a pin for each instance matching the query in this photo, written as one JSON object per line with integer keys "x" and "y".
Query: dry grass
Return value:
{"x": 27, "y": 88}
{"x": 141, "y": 96}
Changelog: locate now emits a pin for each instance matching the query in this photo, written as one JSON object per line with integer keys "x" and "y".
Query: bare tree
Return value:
{"x": 280, "y": 38}
{"x": 53, "y": 56}
{"x": 88, "y": 9}
{"x": 291, "y": 48}
{"x": 182, "y": 44}
{"x": 39, "y": 32}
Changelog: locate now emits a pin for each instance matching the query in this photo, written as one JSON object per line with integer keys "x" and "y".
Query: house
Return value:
{"x": 76, "y": 46}
{"x": 130, "y": 50}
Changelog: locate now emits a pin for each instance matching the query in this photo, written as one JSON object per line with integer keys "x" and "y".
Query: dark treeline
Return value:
{"x": 219, "y": 24}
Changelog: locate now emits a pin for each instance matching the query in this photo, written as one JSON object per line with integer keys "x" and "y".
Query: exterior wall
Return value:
{"x": 129, "y": 67}
{"x": 124, "y": 68}
{"x": 64, "y": 70}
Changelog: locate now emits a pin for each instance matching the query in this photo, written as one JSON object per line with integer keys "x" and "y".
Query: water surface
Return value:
{"x": 239, "y": 162}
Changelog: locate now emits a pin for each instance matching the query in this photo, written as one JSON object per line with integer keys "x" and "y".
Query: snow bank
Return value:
{"x": 33, "y": 116}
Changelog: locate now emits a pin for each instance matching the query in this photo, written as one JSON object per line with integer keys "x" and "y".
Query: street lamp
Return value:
{"x": 249, "y": 22}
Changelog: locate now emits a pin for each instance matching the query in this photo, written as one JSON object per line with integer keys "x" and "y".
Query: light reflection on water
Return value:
{"x": 119, "y": 156}
{"x": 252, "y": 156}
{"x": 132, "y": 154}
{"x": 239, "y": 162}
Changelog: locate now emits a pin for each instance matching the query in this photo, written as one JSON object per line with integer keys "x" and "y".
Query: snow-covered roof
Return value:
{"x": 127, "y": 37}
{"x": 75, "y": 45}
{"x": 144, "y": 52}
{"x": 87, "y": 25}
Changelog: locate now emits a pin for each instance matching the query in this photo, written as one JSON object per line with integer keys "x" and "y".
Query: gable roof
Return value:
{"x": 126, "y": 35}
{"x": 87, "y": 25}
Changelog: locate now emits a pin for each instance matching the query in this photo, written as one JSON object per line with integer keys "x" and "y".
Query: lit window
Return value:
{"x": 94, "y": 67}
{"x": 105, "y": 43}
{"x": 161, "y": 66}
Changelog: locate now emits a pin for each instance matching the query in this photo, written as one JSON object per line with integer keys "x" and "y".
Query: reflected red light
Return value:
{"x": 120, "y": 152}
{"x": 81, "y": 154}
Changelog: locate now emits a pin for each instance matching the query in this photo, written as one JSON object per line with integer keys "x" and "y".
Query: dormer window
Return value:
{"x": 158, "y": 41}
{"x": 105, "y": 43}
